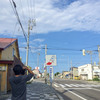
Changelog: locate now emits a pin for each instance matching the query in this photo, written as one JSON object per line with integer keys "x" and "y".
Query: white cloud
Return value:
{"x": 36, "y": 49}
{"x": 33, "y": 47}
{"x": 38, "y": 40}
{"x": 81, "y": 15}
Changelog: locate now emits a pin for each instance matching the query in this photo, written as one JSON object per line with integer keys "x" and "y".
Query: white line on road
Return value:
{"x": 95, "y": 85}
{"x": 56, "y": 85}
{"x": 74, "y": 85}
{"x": 94, "y": 89}
{"x": 78, "y": 88}
{"x": 68, "y": 85}
{"x": 75, "y": 94}
{"x": 62, "y": 85}
{"x": 82, "y": 85}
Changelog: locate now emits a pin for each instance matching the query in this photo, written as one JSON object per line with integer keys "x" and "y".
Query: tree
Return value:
{"x": 47, "y": 74}
{"x": 57, "y": 73}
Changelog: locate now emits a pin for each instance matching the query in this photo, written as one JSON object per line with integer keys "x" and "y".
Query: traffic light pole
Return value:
{"x": 89, "y": 52}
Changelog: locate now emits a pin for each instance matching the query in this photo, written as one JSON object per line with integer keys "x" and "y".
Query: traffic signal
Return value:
{"x": 83, "y": 51}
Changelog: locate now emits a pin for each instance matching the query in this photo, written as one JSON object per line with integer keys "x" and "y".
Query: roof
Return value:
{"x": 6, "y": 42}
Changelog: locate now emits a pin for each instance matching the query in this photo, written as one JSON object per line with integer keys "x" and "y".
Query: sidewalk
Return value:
{"x": 40, "y": 91}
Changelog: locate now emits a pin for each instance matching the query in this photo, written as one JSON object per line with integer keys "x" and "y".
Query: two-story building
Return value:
{"x": 85, "y": 72}
{"x": 9, "y": 56}
{"x": 96, "y": 72}
{"x": 73, "y": 72}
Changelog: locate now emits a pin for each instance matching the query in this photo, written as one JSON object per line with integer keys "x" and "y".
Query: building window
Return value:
{"x": 13, "y": 52}
{"x": 82, "y": 69}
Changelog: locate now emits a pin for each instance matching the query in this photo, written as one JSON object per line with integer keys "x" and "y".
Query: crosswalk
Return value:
{"x": 75, "y": 85}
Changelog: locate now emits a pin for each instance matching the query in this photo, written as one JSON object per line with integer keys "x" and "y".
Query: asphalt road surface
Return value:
{"x": 77, "y": 90}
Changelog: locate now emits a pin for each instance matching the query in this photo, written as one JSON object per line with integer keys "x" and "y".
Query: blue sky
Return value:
{"x": 61, "y": 24}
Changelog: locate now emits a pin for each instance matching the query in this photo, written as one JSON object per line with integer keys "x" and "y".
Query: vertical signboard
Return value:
{"x": 51, "y": 75}
{"x": 51, "y": 72}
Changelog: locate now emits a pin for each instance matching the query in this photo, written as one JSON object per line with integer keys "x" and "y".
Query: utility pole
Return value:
{"x": 99, "y": 55}
{"x": 45, "y": 71}
{"x": 38, "y": 59}
{"x": 90, "y": 52}
{"x": 71, "y": 70}
{"x": 29, "y": 28}
{"x": 42, "y": 69}
{"x": 68, "y": 64}
{"x": 28, "y": 43}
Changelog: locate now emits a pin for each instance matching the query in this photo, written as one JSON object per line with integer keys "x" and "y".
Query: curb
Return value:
{"x": 58, "y": 95}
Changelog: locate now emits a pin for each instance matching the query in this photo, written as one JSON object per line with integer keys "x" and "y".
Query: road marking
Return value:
{"x": 56, "y": 85}
{"x": 95, "y": 85}
{"x": 75, "y": 94}
{"x": 68, "y": 85}
{"x": 82, "y": 85}
{"x": 75, "y": 85}
{"x": 62, "y": 85}
{"x": 78, "y": 88}
{"x": 94, "y": 89}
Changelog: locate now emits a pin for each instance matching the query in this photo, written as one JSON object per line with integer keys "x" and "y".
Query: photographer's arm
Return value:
{"x": 28, "y": 70}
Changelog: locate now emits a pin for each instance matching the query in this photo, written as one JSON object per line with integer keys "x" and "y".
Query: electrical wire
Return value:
{"x": 23, "y": 12}
{"x": 68, "y": 49}
{"x": 91, "y": 46}
{"x": 13, "y": 4}
{"x": 14, "y": 31}
{"x": 29, "y": 9}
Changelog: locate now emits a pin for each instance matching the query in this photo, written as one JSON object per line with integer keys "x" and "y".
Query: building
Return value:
{"x": 37, "y": 72}
{"x": 96, "y": 72}
{"x": 65, "y": 74}
{"x": 9, "y": 56}
{"x": 88, "y": 72}
{"x": 73, "y": 72}
{"x": 60, "y": 75}
{"x": 85, "y": 72}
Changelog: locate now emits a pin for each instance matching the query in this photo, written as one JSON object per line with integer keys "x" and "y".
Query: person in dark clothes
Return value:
{"x": 23, "y": 72}
{"x": 18, "y": 82}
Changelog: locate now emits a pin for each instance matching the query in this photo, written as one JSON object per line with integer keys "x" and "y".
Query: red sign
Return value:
{"x": 49, "y": 63}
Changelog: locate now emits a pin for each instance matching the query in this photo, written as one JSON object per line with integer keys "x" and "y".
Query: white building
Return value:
{"x": 85, "y": 72}
{"x": 37, "y": 73}
{"x": 96, "y": 72}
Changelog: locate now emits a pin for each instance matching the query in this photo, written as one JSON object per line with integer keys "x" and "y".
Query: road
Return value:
{"x": 76, "y": 90}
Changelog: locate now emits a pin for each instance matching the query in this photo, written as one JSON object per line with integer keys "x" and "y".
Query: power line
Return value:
{"x": 63, "y": 49}
{"x": 33, "y": 8}
{"x": 53, "y": 48}
{"x": 23, "y": 11}
{"x": 29, "y": 9}
{"x": 91, "y": 46}
{"x": 14, "y": 31}
{"x": 13, "y": 4}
